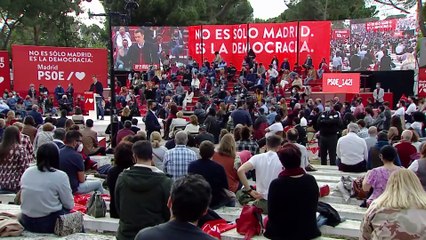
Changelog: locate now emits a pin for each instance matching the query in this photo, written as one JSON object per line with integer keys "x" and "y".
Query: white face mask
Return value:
{"x": 377, "y": 86}
{"x": 327, "y": 109}
{"x": 80, "y": 147}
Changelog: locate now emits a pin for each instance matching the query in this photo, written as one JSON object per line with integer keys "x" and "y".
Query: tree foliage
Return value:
{"x": 326, "y": 10}
{"x": 405, "y": 6}
{"x": 46, "y": 22}
{"x": 186, "y": 12}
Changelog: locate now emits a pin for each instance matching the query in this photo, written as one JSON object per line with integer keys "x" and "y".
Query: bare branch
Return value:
{"x": 392, "y": 4}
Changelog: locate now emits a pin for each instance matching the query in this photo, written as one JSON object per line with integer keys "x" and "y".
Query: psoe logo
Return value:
{"x": 338, "y": 82}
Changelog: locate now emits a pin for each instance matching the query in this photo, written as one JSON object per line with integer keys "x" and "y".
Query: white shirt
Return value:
{"x": 352, "y": 149}
{"x": 400, "y": 112}
{"x": 268, "y": 167}
{"x": 304, "y": 162}
{"x": 379, "y": 94}
{"x": 272, "y": 73}
{"x": 191, "y": 128}
{"x": 379, "y": 55}
{"x": 274, "y": 128}
{"x": 337, "y": 61}
{"x": 303, "y": 122}
{"x": 195, "y": 83}
{"x": 120, "y": 39}
{"x": 411, "y": 108}
{"x": 414, "y": 166}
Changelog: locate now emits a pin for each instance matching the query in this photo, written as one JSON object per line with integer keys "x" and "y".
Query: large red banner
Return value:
{"x": 313, "y": 40}
{"x": 421, "y": 88}
{"x": 341, "y": 82}
{"x": 267, "y": 40}
{"x": 51, "y": 66}
{"x": 381, "y": 26}
{"x": 4, "y": 71}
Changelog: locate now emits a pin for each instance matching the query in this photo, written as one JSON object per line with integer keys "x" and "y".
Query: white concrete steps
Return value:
{"x": 234, "y": 235}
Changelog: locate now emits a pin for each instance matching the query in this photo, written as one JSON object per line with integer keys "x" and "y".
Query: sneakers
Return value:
{"x": 310, "y": 168}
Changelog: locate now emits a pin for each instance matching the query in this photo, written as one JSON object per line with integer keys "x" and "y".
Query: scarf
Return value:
{"x": 292, "y": 172}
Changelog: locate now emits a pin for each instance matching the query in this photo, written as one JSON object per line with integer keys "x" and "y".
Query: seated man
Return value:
{"x": 405, "y": 149}
{"x": 267, "y": 167}
{"x": 292, "y": 136}
{"x": 141, "y": 194}
{"x": 177, "y": 160}
{"x": 352, "y": 151}
{"x": 90, "y": 140}
{"x": 189, "y": 201}
{"x": 72, "y": 163}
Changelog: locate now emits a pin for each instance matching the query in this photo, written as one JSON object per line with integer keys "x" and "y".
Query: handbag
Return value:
{"x": 215, "y": 227}
{"x": 69, "y": 224}
{"x": 96, "y": 206}
{"x": 250, "y": 222}
{"x": 358, "y": 193}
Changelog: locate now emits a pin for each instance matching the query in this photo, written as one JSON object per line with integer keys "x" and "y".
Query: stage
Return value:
{"x": 347, "y": 97}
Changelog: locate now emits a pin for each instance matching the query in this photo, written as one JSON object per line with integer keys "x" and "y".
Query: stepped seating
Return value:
{"x": 7, "y": 198}
{"x": 348, "y": 229}
{"x": 76, "y": 236}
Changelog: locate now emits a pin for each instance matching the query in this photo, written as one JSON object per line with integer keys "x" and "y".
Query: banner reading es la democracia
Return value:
{"x": 266, "y": 40}
{"x": 51, "y": 66}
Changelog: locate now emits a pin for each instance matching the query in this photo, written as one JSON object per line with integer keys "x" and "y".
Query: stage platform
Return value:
{"x": 349, "y": 96}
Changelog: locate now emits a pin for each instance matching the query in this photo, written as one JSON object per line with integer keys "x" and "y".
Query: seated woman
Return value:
{"x": 78, "y": 117}
{"x": 14, "y": 159}
{"x": 158, "y": 151}
{"x": 193, "y": 127}
{"x": 178, "y": 122}
{"x": 374, "y": 159}
{"x": 400, "y": 212}
{"x": 419, "y": 166}
{"x": 123, "y": 159}
{"x": 46, "y": 192}
{"x": 188, "y": 98}
{"x": 378, "y": 177}
{"x": 226, "y": 155}
{"x": 214, "y": 174}
{"x": 293, "y": 193}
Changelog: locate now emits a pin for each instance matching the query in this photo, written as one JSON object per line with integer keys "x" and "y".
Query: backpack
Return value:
{"x": 250, "y": 222}
{"x": 96, "y": 206}
{"x": 327, "y": 211}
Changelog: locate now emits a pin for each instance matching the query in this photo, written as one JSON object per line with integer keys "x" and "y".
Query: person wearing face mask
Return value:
{"x": 378, "y": 95}
{"x": 329, "y": 125}
{"x": 72, "y": 163}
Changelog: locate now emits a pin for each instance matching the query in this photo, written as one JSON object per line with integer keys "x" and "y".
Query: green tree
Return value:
{"x": 326, "y": 10}
{"x": 41, "y": 22}
{"x": 186, "y": 12}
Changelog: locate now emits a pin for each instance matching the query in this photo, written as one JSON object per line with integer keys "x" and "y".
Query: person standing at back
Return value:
{"x": 151, "y": 121}
{"x": 141, "y": 194}
{"x": 189, "y": 201}
{"x": 97, "y": 88}
{"x": 329, "y": 124}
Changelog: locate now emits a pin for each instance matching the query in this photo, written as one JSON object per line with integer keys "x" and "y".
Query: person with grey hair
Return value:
{"x": 36, "y": 115}
{"x": 59, "y": 137}
{"x": 352, "y": 151}
{"x": 177, "y": 160}
{"x": 371, "y": 140}
{"x": 405, "y": 148}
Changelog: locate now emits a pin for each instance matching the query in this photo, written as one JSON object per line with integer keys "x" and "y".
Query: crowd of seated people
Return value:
{"x": 257, "y": 134}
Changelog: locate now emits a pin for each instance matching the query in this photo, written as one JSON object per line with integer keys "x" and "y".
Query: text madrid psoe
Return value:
{"x": 258, "y": 47}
